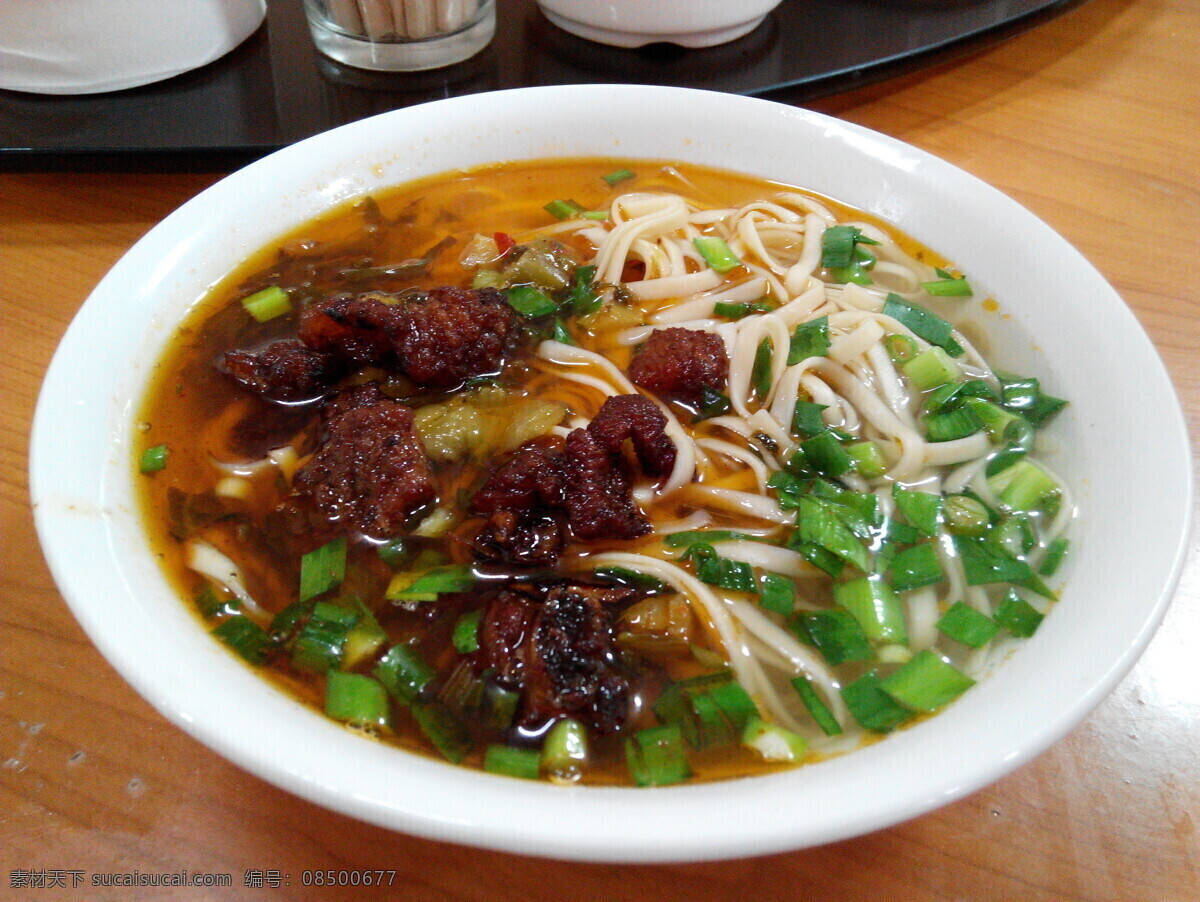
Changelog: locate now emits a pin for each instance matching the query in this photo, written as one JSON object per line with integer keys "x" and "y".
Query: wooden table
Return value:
{"x": 1091, "y": 121}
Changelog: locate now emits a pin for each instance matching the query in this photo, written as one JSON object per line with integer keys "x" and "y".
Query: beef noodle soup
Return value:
{"x": 604, "y": 472}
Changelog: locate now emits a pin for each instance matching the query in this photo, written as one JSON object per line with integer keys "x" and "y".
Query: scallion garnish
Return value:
{"x": 926, "y": 682}
{"x": 816, "y": 706}
{"x": 319, "y": 645}
{"x": 821, "y": 525}
{"x": 581, "y": 299}
{"x": 838, "y": 244}
{"x": 465, "y": 637}
{"x": 900, "y": 347}
{"x": 931, "y": 368}
{"x": 565, "y": 751}
{"x": 619, "y": 175}
{"x": 760, "y": 372}
{"x": 355, "y": 699}
{"x": 873, "y": 708}
{"x": 713, "y": 404}
{"x": 245, "y": 637}
{"x": 640, "y": 581}
{"x": 563, "y": 209}
{"x": 738, "y": 310}
{"x": 656, "y": 756}
{"x": 778, "y": 594}
{"x": 1056, "y": 552}
{"x": 964, "y": 624}
{"x": 914, "y": 567}
{"x": 512, "y": 762}
{"x": 267, "y": 304}
{"x": 811, "y": 339}
{"x": 427, "y": 586}
{"x": 773, "y": 742}
{"x": 922, "y": 510}
{"x": 807, "y": 419}
{"x": 709, "y": 536}
{"x": 153, "y": 459}
{"x": 949, "y": 287}
{"x": 837, "y": 635}
{"x": 1017, "y": 615}
{"x": 716, "y": 253}
{"x": 1023, "y": 486}
{"x": 443, "y": 729}
{"x": 966, "y": 515}
{"x": 867, "y": 459}
{"x": 403, "y": 673}
{"x": 737, "y": 576}
{"x": 876, "y": 607}
{"x": 951, "y": 425}
{"x": 530, "y": 302}
{"x": 923, "y": 323}
{"x": 825, "y": 454}
{"x": 322, "y": 568}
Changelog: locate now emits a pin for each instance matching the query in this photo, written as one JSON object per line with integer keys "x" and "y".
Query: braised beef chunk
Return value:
{"x": 453, "y": 335}
{"x": 599, "y": 499}
{"x": 534, "y": 539}
{"x": 680, "y": 363}
{"x": 287, "y": 371}
{"x": 531, "y": 478}
{"x": 368, "y": 394}
{"x": 355, "y": 330}
{"x": 369, "y": 474}
{"x": 553, "y": 642}
{"x": 638, "y": 418}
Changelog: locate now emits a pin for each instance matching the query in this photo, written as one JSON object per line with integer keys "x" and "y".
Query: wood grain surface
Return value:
{"x": 1092, "y": 121}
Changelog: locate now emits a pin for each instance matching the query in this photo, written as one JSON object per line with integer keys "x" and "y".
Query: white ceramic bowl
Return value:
{"x": 635, "y": 23}
{"x": 1132, "y": 508}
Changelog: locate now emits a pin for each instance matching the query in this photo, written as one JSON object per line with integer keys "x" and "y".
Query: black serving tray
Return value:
{"x": 276, "y": 89}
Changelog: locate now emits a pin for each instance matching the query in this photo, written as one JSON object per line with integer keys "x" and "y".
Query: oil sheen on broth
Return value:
{"x": 603, "y": 471}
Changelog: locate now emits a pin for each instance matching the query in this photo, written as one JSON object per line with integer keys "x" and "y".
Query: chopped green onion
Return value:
{"x": 1025, "y": 396}
{"x": 565, "y": 751}
{"x": 355, "y": 699}
{"x": 857, "y": 271}
{"x": 563, "y": 209}
{"x": 807, "y": 420}
{"x": 735, "y": 703}
{"x": 428, "y": 585}
{"x": 708, "y": 536}
{"x": 501, "y": 705}
{"x": 949, "y": 288}
{"x": 876, "y": 607}
{"x": 922, "y": 510}
{"x": 816, "y": 706}
{"x": 595, "y": 215}
{"x": 951, "y": 425}
{"x": 364, "y": 639}
{"x": 739, "y": 310}
{"x": 403, "y": 673}
{"x": 443, "y": 729}
{"x": 737, "y": 576}
{"x": 923, "y": 323}
{"x": 915, "y": 567}
{"x": 1056, "y": 552}
{"x": 319, "y": 645}
{"x": 656, "y": 756}
{"x": 393, "y": 552}
{"x": 811, "y": 339}
{"x": 511, "y": 762}
{"x": 778, "y": 594}
{"x": 871, "y": 707}
{"x": 867, "y": 459}
{"x": 640, "y": 581}
{"x": 1017, "y": 615}
{"x": 821, "y": 525}
{"x": 931, "y": 368}
{"x": 773, "y": 742}
{"x": 825, "y": 454}
{"x": 965, "y": 515}
{"x": 267, "y": 304}
{"x": 1023, "y": 486}
{"x": 619, "y": 175}
{"x": 245, "y": 637}
{"x": 838, "y": 244}
{"x": 999, "y": 423}
{"x": 465, "y": 637}
{"x": 760, "y": 372}
{"x": 561, "y": 334}
{"x": 838, "y": 636}
{"x": 713, "y": 403}
{"x": 927, "y": 682}
{"x": 581, "y": 299}
{"x": 900, "y": 348}
{"x": 985, "y": 562}
{"x": 153, "y": 459}
{"x": 323, "y": 568}
{"x": 716, "y": 253}
{"x": 1015, "y": 534}
{"x": 530, "y": 301}
{"x": 964, "y": 624}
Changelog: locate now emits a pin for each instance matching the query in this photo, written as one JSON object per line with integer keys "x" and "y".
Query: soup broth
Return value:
{"x": 602, "y": 471}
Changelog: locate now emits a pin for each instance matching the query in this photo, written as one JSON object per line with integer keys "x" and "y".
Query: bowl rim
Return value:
{"x": 444, "y": 802}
